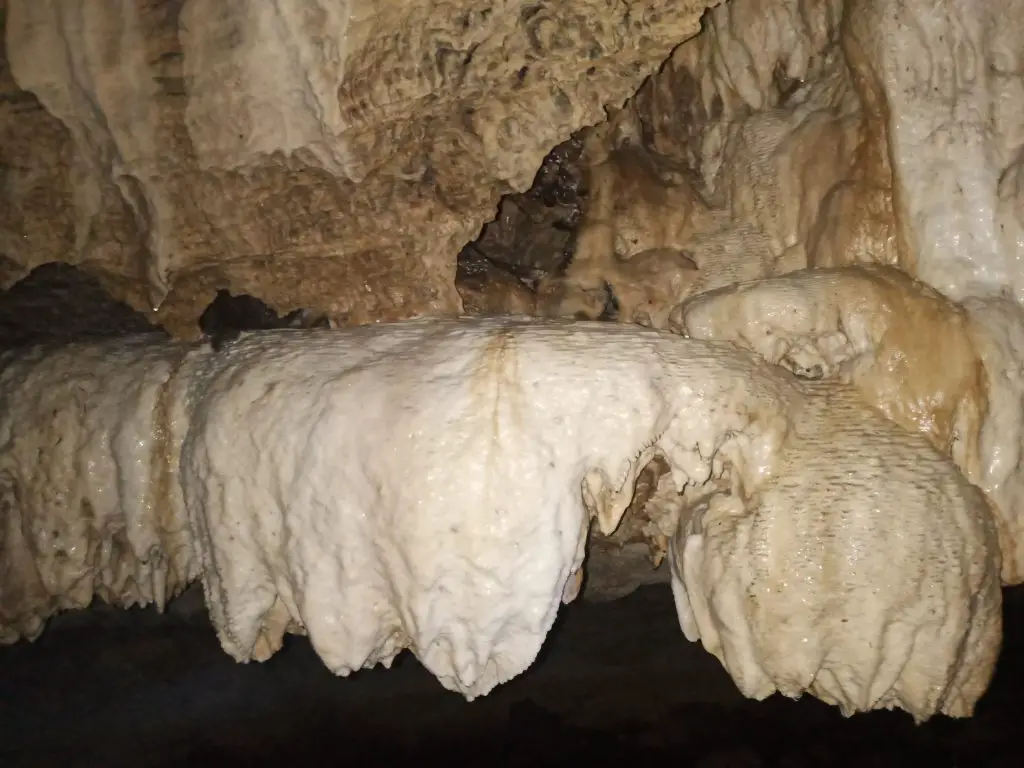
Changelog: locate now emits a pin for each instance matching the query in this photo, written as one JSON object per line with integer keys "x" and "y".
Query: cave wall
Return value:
{"x": 794, "y": 134}
{"x": 330, "y": 155}
{"x": 175, "y": 150}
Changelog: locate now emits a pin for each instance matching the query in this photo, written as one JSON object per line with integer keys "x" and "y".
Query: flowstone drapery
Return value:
{"x": 429, "y": 485}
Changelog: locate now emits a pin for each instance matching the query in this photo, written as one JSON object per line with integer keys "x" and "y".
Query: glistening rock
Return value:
{"x": 951, "y": 371}
{"x": 429, "y": 485}
{"x": 851, "y": 584}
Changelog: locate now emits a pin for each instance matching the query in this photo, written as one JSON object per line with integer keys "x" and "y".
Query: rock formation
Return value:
{"x": 835, "y": 185}
{"x": 430, "y": 485}
{"x": 329, "y": 155}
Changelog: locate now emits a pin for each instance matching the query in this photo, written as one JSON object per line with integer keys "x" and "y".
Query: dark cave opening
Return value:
{"x": 60, "y": 303}
{"x": 532, "y": 234}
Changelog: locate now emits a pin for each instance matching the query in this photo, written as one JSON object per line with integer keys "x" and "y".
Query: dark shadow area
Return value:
{"x": 617, "y": 682}
{"x": 533, "y": 234}
{"x": 60, "y": 303}
{"x": 228, "y": 315}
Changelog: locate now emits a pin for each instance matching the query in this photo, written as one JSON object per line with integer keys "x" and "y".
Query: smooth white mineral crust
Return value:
{"x": 90, "y": 501}
{"x": 950, "y": 75}
{"x": 864, "y": 572}
{"x": 429, "y": 485}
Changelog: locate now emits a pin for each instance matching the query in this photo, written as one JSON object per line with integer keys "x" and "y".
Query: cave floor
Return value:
{"x": 616, "y": 681}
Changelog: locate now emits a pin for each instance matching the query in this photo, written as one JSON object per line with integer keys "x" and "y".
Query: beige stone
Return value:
{"x": 338, "y": 159}
{"x": 328, "y": 155}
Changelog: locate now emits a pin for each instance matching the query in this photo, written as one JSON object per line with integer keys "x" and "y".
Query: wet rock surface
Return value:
{"x": 616, "y": 681}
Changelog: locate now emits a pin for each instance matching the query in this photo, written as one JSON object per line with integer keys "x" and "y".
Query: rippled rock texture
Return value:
{"x": 329, "y": 155}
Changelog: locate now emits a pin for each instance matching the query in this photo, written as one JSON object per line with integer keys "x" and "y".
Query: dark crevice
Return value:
{"x": 533, "y": 234}
{"x": 60, "y": 303}
{"x": 611, "y": 304}
{"x": 228, "y": 316}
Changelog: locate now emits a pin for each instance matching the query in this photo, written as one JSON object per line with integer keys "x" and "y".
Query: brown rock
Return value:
{"x": 334, "y": 156}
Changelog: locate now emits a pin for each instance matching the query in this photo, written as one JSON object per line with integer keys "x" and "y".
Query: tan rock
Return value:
{"x": 334, "y": 156}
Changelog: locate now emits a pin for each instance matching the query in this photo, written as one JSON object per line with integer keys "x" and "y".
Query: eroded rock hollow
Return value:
{"x": 824, "y": 197}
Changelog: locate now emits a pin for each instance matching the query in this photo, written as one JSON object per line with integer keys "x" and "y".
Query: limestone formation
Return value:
{"x": 929, "y": 364}
{"x": 334, "y": 156}
{"x": 429, "y": 485}
{"x": 835, "y": 185}
{"x": 823, "y": 135}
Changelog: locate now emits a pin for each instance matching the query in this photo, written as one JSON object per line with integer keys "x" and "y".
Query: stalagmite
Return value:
{"x": 429, "y": 485}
